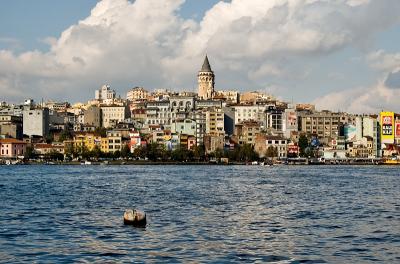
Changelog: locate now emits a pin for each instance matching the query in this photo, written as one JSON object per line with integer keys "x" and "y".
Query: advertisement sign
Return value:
{"x": 350, "y": 132}
{"x": 387, "y": 127}
{"x": 398, "y": 129}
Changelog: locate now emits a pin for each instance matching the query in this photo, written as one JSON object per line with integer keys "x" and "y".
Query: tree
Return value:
{"x": 96, "y": 152}
{"x": 271, "y": 152}
{"x": 125, "y": 151}
{"x": 29, "y": 153}
{"x": 139, "y": 152}
{"x": 247, "y": 153}
{"x": 65, "y": 135}
{"x": 181, "y": 154}
{"x": 303, "y": 144}
{"x": 199, "y": 152}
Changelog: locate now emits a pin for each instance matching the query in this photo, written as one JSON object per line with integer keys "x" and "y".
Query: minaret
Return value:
{"x": 206, "y": 79}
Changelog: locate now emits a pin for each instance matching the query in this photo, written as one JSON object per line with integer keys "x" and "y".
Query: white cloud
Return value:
{"x": 148, "y": 43}
{"x": 384, "y": 61}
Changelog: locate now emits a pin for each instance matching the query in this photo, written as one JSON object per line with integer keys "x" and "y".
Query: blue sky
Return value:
{"x": 336, "y": 54}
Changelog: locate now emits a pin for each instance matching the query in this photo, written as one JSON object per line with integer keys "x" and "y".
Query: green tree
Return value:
{"x": 303, "y": 145}
{"x": 125, "y": 151}
{"x": 29, "y": 153}
{"x": 65, "y": 135}
{"x": 272, "y": 152}
{"x": 247, "y": 153}
{"x": 139, "y": 152}
{"x": 96, "y": 152}
{"x": 199, "y": 153}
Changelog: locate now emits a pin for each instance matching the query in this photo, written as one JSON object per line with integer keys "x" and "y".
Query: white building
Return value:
{"x": 158, "y": 113}
{"x": 250, "y": 113}
{"x": 36, "y": 122}
{"x": 105, "y": 95}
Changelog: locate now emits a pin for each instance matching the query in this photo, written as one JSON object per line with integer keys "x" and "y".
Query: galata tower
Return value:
{"x": 206, "y": 79}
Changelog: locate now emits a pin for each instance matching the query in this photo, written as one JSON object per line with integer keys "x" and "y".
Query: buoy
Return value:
{"x": 135, "y": 217}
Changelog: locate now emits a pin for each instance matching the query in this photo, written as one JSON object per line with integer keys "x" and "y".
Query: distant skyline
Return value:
{"x": 340, "y": 54}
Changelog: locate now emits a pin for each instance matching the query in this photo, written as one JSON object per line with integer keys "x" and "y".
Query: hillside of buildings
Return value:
{"x": 163, "y": 125}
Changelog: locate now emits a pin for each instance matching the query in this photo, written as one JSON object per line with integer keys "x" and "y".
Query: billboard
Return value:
{"x": 350, "y": 132}
{"x": 387, "y": 127}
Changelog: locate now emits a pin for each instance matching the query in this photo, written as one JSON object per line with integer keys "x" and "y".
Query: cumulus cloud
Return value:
{"x": 363, "y": 100}
{"x": 384, "y": 61}
{"x": 147, "y": 42}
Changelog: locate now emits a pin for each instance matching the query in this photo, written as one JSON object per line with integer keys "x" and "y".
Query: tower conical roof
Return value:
{"x": 206, "y": 65}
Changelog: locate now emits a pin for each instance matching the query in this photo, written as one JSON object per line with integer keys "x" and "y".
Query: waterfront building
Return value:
{"x": 213, "y": 142}
{"x": 12, "y": 148}
{"x": 206, "y": 81}
{"x": 44, "y": 148}
{"x": 36, "y": 122}
{"x": 115, "y": 142}
{"x": 265, "y": 142}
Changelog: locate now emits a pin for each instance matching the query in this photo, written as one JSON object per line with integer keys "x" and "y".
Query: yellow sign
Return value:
{"x": 387, "y": 127}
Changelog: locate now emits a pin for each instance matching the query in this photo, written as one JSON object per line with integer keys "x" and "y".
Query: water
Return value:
{"x": 288, "y": 214}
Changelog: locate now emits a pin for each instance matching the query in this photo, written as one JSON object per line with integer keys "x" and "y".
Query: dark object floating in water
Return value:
{"x": 135, "y": 217}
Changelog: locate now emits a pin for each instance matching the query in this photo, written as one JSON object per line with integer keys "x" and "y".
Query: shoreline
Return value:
{"x": 162, "y": 163}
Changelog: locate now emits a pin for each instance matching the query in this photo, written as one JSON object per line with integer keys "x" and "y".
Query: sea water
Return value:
{"x": 281, "y": 214}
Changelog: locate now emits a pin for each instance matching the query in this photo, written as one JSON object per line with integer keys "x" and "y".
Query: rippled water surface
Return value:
{"x": 287, "y": 214}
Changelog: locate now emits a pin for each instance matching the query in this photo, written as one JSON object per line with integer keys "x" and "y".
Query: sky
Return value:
{"x": 342, "y": 55}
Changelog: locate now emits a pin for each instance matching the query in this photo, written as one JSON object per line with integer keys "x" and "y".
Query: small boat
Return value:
{"x": 135, "y": 217}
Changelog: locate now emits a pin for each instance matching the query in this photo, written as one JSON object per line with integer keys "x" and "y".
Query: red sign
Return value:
{"x": 397, "y": 129}
{"x": 293, "y": 149}
{"x": 387, "y": 120}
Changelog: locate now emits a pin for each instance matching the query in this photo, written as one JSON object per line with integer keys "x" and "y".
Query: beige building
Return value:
{"x": 246, "y": 132}
{"x": 137, "y": 93}
{"x": 12, "y": 148}
{"x": 323, "y": 124}
{"x": 114, "y": 141}
{"x": 213, "y": 142}
{"x": 112, "y": 115}
{"x": 231, "y": 97}
{"x": 255, "y": 96}
{"x": 92, "y": 116}
{"x": 215, "y": 121}
{"x": 264, "y": 142}
{"x": 206, "y": 80}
